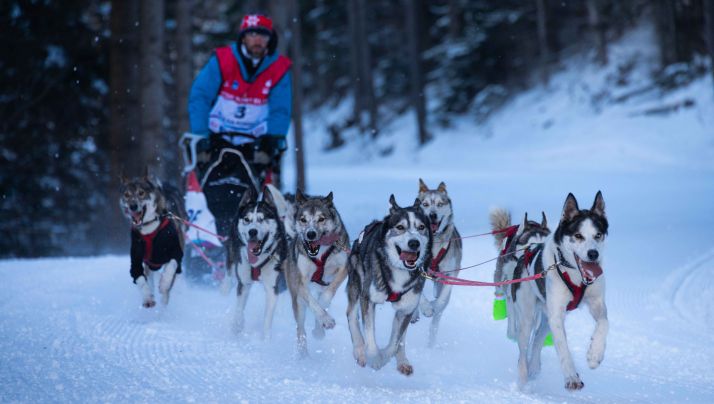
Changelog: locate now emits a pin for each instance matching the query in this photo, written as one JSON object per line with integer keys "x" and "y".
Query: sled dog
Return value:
{"x": 446, "y": 251}
{"x": 318, "y": 260}
{"x": 257, "y": 251}
{"x": 157, "y": 238}
{"x": 511, "y": 247}
{"x": 571, "y": 258}
{"x": 385, "y": 265}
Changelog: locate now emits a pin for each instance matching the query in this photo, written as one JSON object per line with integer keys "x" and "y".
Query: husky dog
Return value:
{"x": 318, "y": 260}
{"x": 445, "y": 251}
{"x": 157, "y": 238}
{"x": 511, "y": 247}
{"x": 385, "y": 265}
{"x": 571, "y": 258}
{"x": 257, "y": 251}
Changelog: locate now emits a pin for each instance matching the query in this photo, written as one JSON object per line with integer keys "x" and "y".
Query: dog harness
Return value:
{"x": 578, "y": 291}
{"x": 242, "y": 106}
{"x": 434, "y": 266}
{"x": 397, "y": 296}
{"x": 255, "y": 270}
{"x": 510, "y": 234}
{"x": 155, "y": 249}
{"x": 320, "y": 264}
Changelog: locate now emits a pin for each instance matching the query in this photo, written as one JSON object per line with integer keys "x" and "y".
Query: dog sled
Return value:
{"x": 214, "y": 189}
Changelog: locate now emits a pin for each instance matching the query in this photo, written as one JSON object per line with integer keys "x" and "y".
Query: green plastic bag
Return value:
{"x": 500, "y": 312}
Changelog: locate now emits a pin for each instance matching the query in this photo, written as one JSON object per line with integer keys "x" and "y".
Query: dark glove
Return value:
{"x": 272, "y": 145}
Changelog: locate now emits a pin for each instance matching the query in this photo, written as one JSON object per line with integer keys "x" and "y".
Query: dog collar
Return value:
{"x": 142, "y": 224}
{"x": 563, "y": 261}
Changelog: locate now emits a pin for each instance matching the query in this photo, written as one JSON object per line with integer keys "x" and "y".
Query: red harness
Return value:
{"x": 320, "y": 264}
{"x": 434, "y": 267}
{"x": 578, "y": 291}
{"x": 149, "y": 243}
{"x": 255, "y": 271}
{"x": 510, "y": 233}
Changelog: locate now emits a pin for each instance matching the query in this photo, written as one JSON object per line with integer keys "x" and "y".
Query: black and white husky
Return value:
{"x": 157, "y": 238}
{"x": 386, "y": 265}
{"x": 572, "y": 259}
{"x": 512, "y": 247}
{"x": 257, "y": 251}
{"x": 318, "y": 260}
{"x": 446, "y": 251}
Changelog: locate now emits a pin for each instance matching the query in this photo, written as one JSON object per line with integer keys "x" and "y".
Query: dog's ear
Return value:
{"x": 123, "y": 178}
{"x": 246, "y": 198}
{"x": 328, "y": 198}
{"x": 393, "y": 204}
{"x": 442, "y": 187}
{"x": 299, "y": 197}
{"x": 598, "y": 205}
{"x": 417, "y": 203}
{"x": 570, "y": 208}
{"x": 544, "y": 222}
{"x": 268, "y": 197}
{"x": 422, "y": 186}
{"x": 523, "y": 225}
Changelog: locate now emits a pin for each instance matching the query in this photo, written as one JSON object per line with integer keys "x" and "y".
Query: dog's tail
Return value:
{"x": 500, "y": 219}
{"x": 285, "y": 209}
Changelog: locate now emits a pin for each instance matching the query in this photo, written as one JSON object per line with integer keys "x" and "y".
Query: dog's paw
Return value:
{"x": 327, "y": 322}
{"x": 149, "y": 303}
{"x": 574, "y": 383}
{"x": 405, "y": 368}
{"x": 318, "y": 332}
{"x": 359, "y": 356}
{"x": 376, "y": 361}
{"x": 595, "y": 357}
{"x": 415, "y": 317}
{"x": 427, "y": 309}
{"x": 302, "y": 347}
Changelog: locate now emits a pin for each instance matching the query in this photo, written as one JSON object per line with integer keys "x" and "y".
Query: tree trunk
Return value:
{"x": 664, "y": 12}
{"x": 152, "y": 86}
{"x": 184, "y": 58}
{"x": 124, "y": 111}
{"x": 455, "y": 19}
{"x": 541, "y": 23}
{"x": 296, "y": 47}
{"x": 355, "y": 62}
{"x": 365, "y": 57}
{"x": 597, "y": 28}
{"x": 412, "y": 8}
{"x": 709, "y": 32}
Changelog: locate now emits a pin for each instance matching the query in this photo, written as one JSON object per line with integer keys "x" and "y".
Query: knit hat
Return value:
{"x": 262, "y": 24}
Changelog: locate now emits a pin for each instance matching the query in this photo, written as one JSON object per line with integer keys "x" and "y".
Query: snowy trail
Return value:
{"x": 73, "y": 331}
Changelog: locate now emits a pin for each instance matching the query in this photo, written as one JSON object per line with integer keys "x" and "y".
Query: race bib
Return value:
{"x": 230, "y": 115}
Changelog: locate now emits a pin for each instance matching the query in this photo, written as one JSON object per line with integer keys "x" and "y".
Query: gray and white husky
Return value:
{"x": 157, "y": 238}
{"x": 257, "y": 251}
{"x": 512, "y": 247}
{"x": 318, "y": 260}
{"x": 446, "y": 250}
{"x": 571, "y": 258}
{"x": 386, "y": 265}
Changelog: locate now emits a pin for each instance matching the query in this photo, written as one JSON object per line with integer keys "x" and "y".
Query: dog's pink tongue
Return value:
{"x": 592, "y": 269}
{"x": 251, "y": 257}
{"x": 434, "y": 227}
{"x": 328, "y": 239}
{"x": 408, "y": 256}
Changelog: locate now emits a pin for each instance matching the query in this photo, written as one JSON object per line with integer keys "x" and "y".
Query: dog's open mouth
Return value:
{"x": 435, "y": 226}
{"x": 137, "y": 217}
{"x": 409, "y": 258}
{"x": 590, "y": 270}
{"x": 312, "y": 247}
{"x": 254, "y": 250}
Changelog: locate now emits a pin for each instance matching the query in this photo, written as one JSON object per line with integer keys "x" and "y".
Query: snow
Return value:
{"x": 73, "y": 329}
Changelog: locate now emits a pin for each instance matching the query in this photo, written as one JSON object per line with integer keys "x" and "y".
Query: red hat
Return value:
{"x": 256, "y": 22}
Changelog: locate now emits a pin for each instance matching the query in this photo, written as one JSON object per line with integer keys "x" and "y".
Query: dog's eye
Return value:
{"x": 425, "y": 204}
{"x": 579, "y": 236}
{"x": 399, "y": 227}
{"x": 440, "y": 204}
{"x": 421, "y": 227}
{"x": 141, "y": 193}
{"x": 246, "y": 219}
{"x": 303, "y": 220}
{"x": 127, "y": 194}
{"x": 320, "y": 219}
{"x": 598, "y": 236}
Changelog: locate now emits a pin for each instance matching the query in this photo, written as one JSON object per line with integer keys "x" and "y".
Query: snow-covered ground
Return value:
{"x": 72, "y": 330}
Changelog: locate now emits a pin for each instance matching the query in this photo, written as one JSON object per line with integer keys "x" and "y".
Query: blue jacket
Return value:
{"x": 208, "y": 82}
